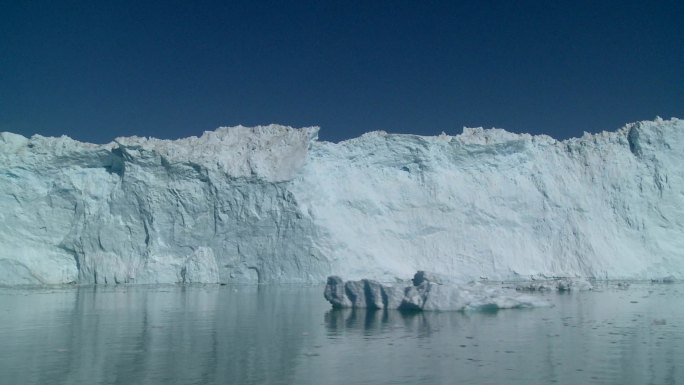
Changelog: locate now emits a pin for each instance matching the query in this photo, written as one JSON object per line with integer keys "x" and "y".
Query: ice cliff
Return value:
{"x": 274, "y": 204}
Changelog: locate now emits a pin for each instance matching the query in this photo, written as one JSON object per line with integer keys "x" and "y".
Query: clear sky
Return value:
{"x": 95, "y": 70}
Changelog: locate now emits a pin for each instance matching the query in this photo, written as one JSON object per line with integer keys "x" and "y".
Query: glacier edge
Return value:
{"x": 274, "y": 204}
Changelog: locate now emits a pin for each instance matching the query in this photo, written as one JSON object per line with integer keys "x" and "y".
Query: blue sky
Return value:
{"x": 96, "y": 70}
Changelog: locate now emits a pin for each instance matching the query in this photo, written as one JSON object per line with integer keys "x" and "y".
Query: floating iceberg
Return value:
{"x": 425, "y": 293}
{"x": 556, "y": 284}
{"x": 274, "y": 204}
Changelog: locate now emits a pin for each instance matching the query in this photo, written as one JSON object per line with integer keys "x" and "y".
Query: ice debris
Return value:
{"x": 558, "y": 284}
{"x": 427, "y": 292}
{"x": 668, "y": 279}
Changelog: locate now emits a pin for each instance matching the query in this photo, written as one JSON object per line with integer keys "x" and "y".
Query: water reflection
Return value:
{"x": 605, "y": 337}
{"x": 289, "y": 335}
{"x": 375, "y": 322}
{"x": 153, "y": 335}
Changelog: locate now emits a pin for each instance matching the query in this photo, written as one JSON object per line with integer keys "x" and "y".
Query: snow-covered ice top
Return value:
{"x": 274, "y": 204}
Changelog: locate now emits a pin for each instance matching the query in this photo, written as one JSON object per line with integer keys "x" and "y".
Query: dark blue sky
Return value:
{"x": 100, "y": 69}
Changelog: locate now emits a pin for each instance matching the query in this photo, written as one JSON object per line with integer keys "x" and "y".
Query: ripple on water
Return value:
{"x": 288, "y": 334}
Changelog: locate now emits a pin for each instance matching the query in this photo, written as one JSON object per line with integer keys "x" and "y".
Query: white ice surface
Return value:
{"x": 273, "y": 204}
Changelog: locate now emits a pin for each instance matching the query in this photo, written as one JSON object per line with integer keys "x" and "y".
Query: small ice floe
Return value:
{"x": 668, "y": 279}
{"x": 427, "y": 292}
{"x": 659, "y": 322}
{"x": 557, "y": 284}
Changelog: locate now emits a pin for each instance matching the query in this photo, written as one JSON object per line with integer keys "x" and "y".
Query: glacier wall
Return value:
{"x": 274, "y": 204}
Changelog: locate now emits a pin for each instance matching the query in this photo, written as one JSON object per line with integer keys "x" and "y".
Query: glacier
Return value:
{"x": 275, "y": 204}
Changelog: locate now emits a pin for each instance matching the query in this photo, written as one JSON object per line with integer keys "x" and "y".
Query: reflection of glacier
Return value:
{"x": 179, "y": 335}
{"x": 287, "y": 334}
{"x": 600, "y": 337}
{"x": 273, "y": 204}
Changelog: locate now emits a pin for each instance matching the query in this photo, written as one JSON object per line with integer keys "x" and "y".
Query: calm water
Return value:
{"x": 289, "y": 335}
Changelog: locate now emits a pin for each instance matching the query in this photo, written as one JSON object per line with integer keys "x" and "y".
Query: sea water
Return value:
{"x": 289, "y": 335}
